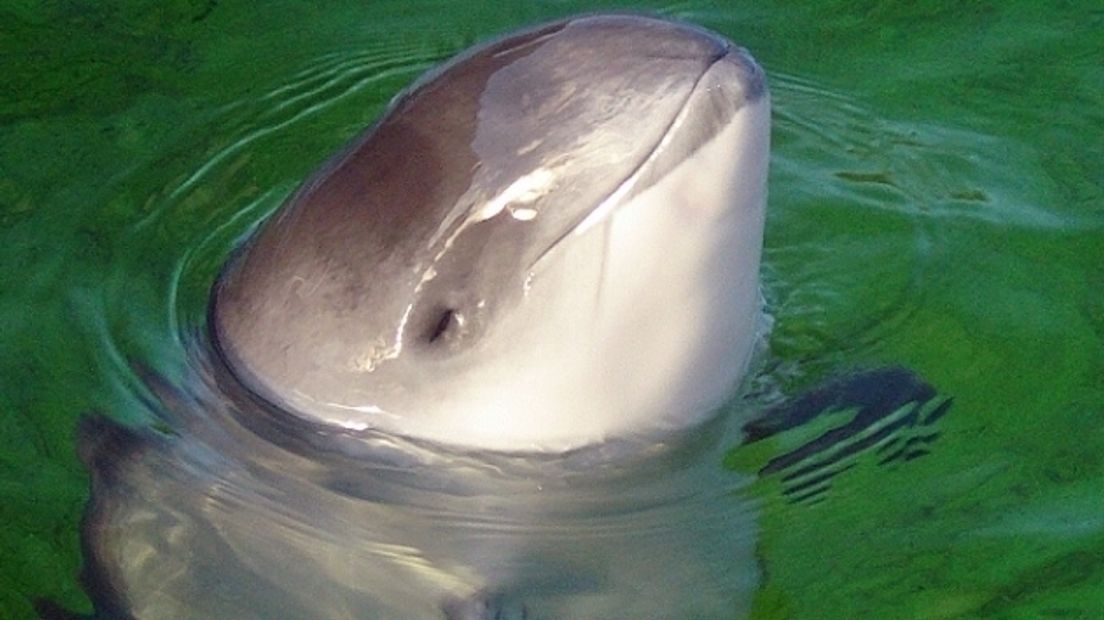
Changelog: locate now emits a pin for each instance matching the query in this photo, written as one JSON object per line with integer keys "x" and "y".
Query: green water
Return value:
{"x": 937, "y": 202}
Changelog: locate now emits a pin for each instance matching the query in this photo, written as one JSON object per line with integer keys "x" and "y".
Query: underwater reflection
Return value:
{"x": 245, "y": 513}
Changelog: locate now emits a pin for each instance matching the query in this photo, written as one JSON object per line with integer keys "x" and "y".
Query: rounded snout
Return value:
{"x": 647, "y": 40}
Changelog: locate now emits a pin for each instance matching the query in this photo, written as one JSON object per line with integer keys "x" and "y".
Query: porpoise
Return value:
{"x": 549, "y": 241}
{"x": 546, "y": 246}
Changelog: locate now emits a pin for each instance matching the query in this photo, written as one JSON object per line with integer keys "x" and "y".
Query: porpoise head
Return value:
{"x": 549, "y": 241}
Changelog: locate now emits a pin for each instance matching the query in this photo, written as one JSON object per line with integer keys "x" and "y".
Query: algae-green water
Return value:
{"x": 936, "y": 203}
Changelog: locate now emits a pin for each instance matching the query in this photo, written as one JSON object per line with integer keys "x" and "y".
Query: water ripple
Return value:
{"x": 309, "y": 96}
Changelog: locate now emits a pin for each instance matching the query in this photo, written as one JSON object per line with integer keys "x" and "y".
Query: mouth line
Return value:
{"x": 606, "y": 207}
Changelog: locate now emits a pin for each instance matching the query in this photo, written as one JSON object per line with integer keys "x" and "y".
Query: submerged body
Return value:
{"x": 447, "y": 376}
{"x": 227, "y": 521}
